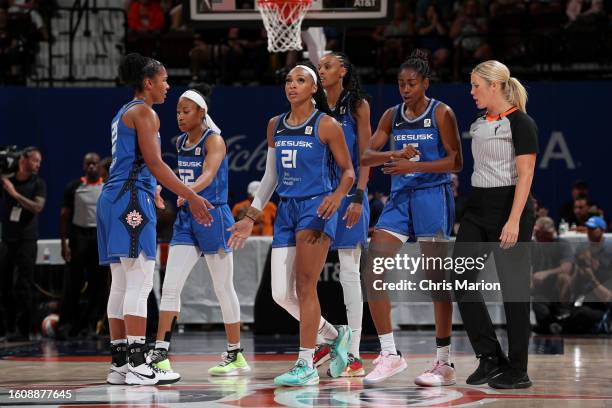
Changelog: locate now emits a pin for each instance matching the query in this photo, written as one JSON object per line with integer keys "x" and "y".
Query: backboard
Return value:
{"x": 229, "y": 13}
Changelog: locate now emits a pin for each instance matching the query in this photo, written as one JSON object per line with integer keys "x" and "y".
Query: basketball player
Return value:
{"x": 310, "y": 144}
{"x": 350, "y": 107}
{"x": 426, "y": 149}
{"x": 202, "y": 164}
{"x": 126, "y": 219}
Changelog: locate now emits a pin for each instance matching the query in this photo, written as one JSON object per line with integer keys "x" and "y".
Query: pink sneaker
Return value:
{"x": 387, "y": 365}
{"x": 440, "y": 374}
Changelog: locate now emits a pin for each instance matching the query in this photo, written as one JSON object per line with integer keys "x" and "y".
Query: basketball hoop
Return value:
{"x": 283, "y": 20}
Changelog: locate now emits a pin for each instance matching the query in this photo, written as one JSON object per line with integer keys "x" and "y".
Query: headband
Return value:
{"x": 196, "y": 97}
{"x": 309, "y": 70}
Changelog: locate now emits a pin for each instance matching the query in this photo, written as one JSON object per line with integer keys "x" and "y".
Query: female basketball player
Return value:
{"x": 427, "y": 149}
{"x": 350, "y": 107}
{"x": 304, "y": 146}
{"x": 126, "y": 219}
{"x": 500, "y": 211}
{"x": 202, "y": 164}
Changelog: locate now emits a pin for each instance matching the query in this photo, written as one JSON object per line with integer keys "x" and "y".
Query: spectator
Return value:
{"x": 30, "y": 7}
{"x": 468, "y": 32}
{"x": 145, "y": 17}
{"x": 433, "y": 36}
{"x": 80, "y": 251}
{"x": 579, "y": 188}
{"x": 247, "y": 49}
{"x": 582, "y": 207}
{"x": 264, "y": 225}
{"x": 24, "y": 198}
{"x": 552, "y": 262}
{"x": 591, "y": 284}
{"x": 393, "y": 37}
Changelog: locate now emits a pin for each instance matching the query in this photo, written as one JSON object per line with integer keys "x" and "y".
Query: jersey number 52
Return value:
{"x": 187, "y": 176}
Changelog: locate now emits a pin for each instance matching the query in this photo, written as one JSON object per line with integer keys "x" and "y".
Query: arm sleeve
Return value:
{"x": 268, "y": 182}
{"x": 524, "y": 134}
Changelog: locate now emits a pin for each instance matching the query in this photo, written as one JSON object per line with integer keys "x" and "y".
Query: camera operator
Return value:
{"x": 23, "y": 196}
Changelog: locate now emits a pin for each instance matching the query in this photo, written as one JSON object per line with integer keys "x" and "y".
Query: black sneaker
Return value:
{"x": 511, "y": 379}
{"x": 488, "y": 367}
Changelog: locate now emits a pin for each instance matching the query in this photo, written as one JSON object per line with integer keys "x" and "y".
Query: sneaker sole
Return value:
{"x": 166, "y": 382}
{"x": 133, "y": 380}
{"x": 313, "y": 381}
{"x": 394, "y": 372}
{"x": 511, "y": 386}
{"x": 486, "y": 379}
{"x": 358, "y": 373}
{"x": 233, "y": 373}
{"x": 442, "y": 384}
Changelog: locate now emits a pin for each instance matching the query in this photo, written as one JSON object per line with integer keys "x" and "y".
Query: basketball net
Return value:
{"x": 283, "y": 22}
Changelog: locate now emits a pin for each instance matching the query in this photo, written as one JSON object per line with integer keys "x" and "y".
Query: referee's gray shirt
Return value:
{"x": 495, "y": 144}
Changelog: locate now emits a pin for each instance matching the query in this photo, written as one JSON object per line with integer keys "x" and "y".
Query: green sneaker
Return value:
{"x": 233, "y": 363}
{"x": 339, "y": 353}
{"x": 159, "y": 359}
{"x": 299, "y": 375}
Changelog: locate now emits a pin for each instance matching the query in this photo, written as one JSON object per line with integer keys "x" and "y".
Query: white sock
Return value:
{"x": 307, "y": 354}
{"x": 355, "y": 340}
{"x": 387, "y": 343}
{"x": 136, "y": 339}
{"x": 327, "y": 331}
{"x": 118, "y": 341}
{"x": 233, "y": 346}
{"x": 443, "y": 354}
{"x": 162, "y": 345}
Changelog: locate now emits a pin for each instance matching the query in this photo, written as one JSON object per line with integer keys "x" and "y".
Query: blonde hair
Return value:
{"x": 512, "y": 89}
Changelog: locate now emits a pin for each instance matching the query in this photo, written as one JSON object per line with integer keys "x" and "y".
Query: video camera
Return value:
{"x": 9, "y": 159}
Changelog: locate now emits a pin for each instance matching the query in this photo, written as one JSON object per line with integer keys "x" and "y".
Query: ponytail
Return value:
{"x": 517, "y": 94}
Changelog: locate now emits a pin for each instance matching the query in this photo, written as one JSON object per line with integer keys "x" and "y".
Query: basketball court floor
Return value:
{"x": 566, "y": 371}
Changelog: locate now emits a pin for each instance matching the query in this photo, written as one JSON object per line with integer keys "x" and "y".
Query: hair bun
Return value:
{"x": 419, "y": 55}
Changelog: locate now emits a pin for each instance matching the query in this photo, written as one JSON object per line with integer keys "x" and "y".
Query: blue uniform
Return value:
{"x": 187, "y": 231}
{"x": 304, "y": 167}
{"x": 126, "y": 215}
{"x": 421, "y": 204}
{"x": 358, "y": 234}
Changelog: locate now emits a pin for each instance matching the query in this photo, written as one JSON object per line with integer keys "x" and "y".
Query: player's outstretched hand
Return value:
{"x": 329, "y": 205}
{"x": 199, "y": 207}
{"x": 240, "y": 232}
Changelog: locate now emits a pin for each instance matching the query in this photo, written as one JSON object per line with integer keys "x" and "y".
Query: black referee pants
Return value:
{"x": 486, "y": 214}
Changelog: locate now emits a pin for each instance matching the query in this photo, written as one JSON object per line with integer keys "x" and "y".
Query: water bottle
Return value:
{"x": 563, "y": 227}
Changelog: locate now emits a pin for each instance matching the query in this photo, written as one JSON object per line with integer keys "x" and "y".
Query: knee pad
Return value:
{"x": 283, "y": 280}
{"x": 114, "y": 307}
{"x": 138, "y": 284}
{"x": 221, "y": 267}
{"x": 181, "y": 260}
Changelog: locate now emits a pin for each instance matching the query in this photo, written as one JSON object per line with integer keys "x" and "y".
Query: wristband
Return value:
{"x": 358, "y": 197}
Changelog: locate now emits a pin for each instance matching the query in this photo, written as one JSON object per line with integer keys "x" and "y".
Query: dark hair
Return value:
{"x": 319, "y": 97}
{"x": 204, "y": 90}
{"x": 134, "y": 68}
{"x": 581, "y": 184}
{"x": 26, "y": 152}
{"x": 418, "y": 61}
{"x": 351, "y": 82}
{"x": 581, "y": 197}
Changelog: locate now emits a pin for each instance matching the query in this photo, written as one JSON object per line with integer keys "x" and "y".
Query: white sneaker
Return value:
{"x": 143, "y": 374}
{"x": 116, "y": 374}
{"x": 166, "y": 377}
{"x": 385, "y": 366}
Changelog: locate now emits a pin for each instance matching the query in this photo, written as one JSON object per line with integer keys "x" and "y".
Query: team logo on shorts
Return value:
{"x": 198, "y": 151}
{"x": 308, "y": 130}
{"x": 427, "y": 123}
{"x": 133, "y": 219}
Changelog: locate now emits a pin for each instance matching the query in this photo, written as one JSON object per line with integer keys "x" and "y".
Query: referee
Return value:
{"x": 499, "y": 211}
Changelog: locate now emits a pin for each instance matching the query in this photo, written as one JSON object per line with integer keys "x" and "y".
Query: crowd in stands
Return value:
{"x": 457, "y": 34}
